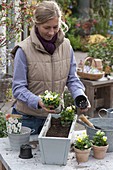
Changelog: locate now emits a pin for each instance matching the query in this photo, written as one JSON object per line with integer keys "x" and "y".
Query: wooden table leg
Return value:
{"x": 111, "y": 96}
{"x": 90, "y": 93}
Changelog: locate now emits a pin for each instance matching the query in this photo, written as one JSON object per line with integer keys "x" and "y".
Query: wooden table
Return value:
{"x": 100, "y": 94}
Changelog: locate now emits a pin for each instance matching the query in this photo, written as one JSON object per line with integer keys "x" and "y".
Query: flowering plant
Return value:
{"x": 13, "y": 123}
{"x": 67, "y": 115}
{"x": 51, "y": 99}
{"x": 99, "y": 139}
{"x": 82, "y": 141}
{"x": 85, "y": 27}
{"x": 102, "y": 50}
{"x": 2, "y": 125}
{"x": 12, "y": 17}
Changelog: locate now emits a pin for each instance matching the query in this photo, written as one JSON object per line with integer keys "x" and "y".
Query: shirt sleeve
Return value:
{"x": 74, "y": 84}
{"x": 20, "y": 83}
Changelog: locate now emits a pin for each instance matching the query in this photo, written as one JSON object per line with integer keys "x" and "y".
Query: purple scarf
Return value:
{"x": 48, "y": 45}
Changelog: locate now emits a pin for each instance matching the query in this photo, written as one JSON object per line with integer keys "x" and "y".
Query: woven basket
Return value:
{"x": 92, "y": 62}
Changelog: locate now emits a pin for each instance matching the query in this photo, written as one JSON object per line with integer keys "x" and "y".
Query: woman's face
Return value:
{"x": 49, "y": 29}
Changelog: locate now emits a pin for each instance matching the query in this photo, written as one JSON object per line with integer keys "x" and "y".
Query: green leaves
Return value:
{"x": 2, "y": 125}
{"x": 67, "y": 114}
{"x": 0, "y": 7}
{"x": 102, "y": 50}
{"x": 13, "y": 16}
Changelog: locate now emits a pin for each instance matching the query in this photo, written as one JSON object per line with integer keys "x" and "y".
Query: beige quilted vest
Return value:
{"x": 45, "y": 71}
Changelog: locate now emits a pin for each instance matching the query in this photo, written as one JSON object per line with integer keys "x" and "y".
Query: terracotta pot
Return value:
{"x": 82, "y": 155}
{"x": 99, "y": 152}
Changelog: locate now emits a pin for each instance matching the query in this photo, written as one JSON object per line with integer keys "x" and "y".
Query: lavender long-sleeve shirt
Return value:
{"x": 20, "y": 84}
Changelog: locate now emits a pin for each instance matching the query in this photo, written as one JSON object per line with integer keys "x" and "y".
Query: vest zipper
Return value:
{"x": 52, "y": 74}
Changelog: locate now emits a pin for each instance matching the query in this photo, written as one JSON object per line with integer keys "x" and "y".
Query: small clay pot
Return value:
{"x": 25, "y": 151}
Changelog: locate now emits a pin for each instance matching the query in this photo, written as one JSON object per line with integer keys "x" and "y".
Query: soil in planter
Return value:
{"x": 57, "y": 130}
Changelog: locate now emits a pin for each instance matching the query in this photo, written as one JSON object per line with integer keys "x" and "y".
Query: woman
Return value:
{"x": 43, "y": 61}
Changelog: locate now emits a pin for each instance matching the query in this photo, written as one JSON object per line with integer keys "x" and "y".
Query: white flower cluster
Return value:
{"x": 70, "y": 108}
{"x": 13, "y": 125}
{"x": 50, "y": 96}
{"x": 100, "y": 133}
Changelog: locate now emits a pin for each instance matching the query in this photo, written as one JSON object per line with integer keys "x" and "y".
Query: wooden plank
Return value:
{"x": 97, "y": 83}
{"x": 111, "y": 96}
{"x": 2, "y": 166}
{"x": 99, "y": 103}
{"x": 90, "y": 92}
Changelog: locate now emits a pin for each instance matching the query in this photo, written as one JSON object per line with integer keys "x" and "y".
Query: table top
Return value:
{"x": 11, "y": 160}
{"x": 103, "y": 81}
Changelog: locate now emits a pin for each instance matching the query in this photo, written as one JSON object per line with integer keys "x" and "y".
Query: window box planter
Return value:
{"x": 54, "y": 150}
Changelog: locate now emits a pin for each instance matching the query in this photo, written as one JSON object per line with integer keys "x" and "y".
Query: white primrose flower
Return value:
{"x": 13, "y": 126}
{"x": 98, "y": 132}
{"x": 86, "y": 146}
{"x": 19, "y": 125}
{"x": 9, "y": 125}
{"x": 55, "y": 96}
{"x": 15, "y": 130}
{"x": 69, "y": 108}
{"x": 79, "y": 138}
{"x": 15, "y": 121}
{"x": 10, "y": 120}
{"x": 51, "y": 98}
{"x": 73, "y": 106}
{"x": 9, "y": 130}
{"x": 104, "y": 138}
{"x": 84, "y": 134}
{"x": 46, "y": 92}
{"x": 48, "y": 95}
{"x": 102, "y": 133}
{"x": 46, "y": 98}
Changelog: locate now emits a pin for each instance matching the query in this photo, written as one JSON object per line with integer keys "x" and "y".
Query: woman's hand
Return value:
{"x": 50, "y": 109}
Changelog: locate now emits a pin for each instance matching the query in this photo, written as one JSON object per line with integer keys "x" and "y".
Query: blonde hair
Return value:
{"x": 47, "y": 10}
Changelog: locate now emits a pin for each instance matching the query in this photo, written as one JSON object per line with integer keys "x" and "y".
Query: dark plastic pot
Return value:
{"x": 25, "y": 152}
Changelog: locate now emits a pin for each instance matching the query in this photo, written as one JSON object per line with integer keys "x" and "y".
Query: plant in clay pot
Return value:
{"x": 100, "y": 145}
{"x": 82, "y": 147}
